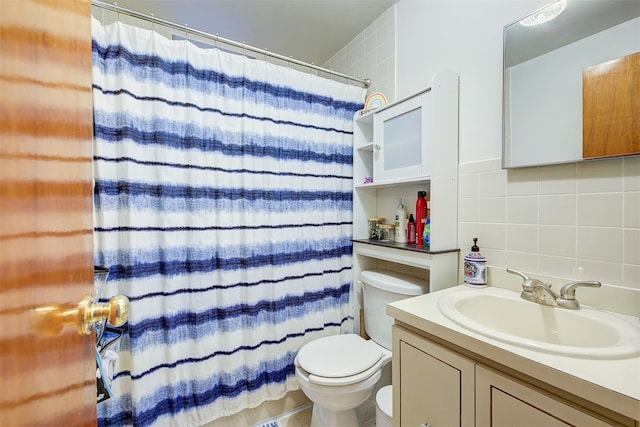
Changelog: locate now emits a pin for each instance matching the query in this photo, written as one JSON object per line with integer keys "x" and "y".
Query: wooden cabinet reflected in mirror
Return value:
{"x": 611, "y": 108}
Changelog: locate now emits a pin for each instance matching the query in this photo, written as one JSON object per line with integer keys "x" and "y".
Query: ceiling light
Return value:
{"x": 545, "y": 14}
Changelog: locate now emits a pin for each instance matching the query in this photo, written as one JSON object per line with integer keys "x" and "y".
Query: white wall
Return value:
{"x": 465, "y": 36}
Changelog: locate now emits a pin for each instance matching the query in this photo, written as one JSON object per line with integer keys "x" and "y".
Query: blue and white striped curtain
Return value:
{"x": 223, "y": 210}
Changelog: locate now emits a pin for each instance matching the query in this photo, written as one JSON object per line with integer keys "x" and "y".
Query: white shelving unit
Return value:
{"x": 428, "y": 140}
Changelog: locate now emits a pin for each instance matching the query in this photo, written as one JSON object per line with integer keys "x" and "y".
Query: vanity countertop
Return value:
{"x": 613, "y": 384}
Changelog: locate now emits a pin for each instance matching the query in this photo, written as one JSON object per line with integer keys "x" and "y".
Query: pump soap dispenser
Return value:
{"x": 475, "y": 267}
{"x": 401, "y": 223}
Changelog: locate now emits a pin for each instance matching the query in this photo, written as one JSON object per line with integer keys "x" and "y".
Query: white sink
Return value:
{"x": 502, "y": 315}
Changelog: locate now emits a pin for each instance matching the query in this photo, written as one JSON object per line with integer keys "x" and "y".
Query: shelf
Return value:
{"x": 394, "y": 183}
{"x": 366, "y": 147}
{"x": 365, "y": 116}
{"x": 402, "y": 253}
{"x": 403, "y": 246}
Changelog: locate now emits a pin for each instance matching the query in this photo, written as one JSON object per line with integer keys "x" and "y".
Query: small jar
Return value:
{"x": 374, "y": 231}
{"x": 387, "y": 232}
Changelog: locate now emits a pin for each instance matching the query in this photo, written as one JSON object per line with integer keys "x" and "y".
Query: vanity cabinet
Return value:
{"x": 432, "y": 385}
{"x": 437, "y": 386}
{"x": 408, "y": 146}
{"x": 502, "y": 401}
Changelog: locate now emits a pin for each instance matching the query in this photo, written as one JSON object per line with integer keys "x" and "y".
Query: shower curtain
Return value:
{"x": 222, "y": 207}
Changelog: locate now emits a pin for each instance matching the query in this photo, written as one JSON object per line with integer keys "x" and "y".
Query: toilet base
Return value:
{"x": 323, "y": 417}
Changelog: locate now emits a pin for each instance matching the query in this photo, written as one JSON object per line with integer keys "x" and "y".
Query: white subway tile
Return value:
{"x": 468, "y": 186}
{"x": 631, "y": 248}
{"x": 491, "y": 209}
{"x": 602, "y": 209}
{"x": 490, "y": 236}
{"x": 558, "y": 179}
{"x": 558, "y": 209}
{"x": 466, "y": 232}
{"x": 557, "y": 241}
{"x": 522, "y": 261}
{"x": 522, "y": 210}
{"x": 522, "y": 182}
{"x": 631, "y": 210}
{"x": 558, "y": 266}
{"x": 600, "y": 176}
{"x": 631, "y": 276}
{"x": 599, "y": 244}
{"x": 492, "y": 183}
{"x": 522, "y": 238}
{"x": 495, "y": 257}
{"x": 605, "y": 272}
{"x": 631, "y": 169}
{"x": 468, "y": 210}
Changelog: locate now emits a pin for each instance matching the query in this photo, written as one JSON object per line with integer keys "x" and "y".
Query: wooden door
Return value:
{"x": 46, "y": 225}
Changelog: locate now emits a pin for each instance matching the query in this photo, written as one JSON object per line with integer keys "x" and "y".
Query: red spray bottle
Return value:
{"x": 421, "y": 215}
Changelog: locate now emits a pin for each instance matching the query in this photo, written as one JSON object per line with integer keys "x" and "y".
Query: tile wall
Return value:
{"x": 564, "y": 222}
{"x": 371, "y": 55}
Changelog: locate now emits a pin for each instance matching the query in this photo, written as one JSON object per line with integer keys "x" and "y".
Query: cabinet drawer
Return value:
{"x": 502, "y": 401}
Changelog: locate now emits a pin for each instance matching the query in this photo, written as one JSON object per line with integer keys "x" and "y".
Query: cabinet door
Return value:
{"x": 432, "y": 385}
{"x": 505, "y": 402}
{"x": 399, "y": 149}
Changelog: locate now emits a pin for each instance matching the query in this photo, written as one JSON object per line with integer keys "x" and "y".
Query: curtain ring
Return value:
{"x": 265, "y": 54}
{"x": 290, "y": 58}
{"x": 217, "y": 38}
{"x": 117, "y": 11}
{"x": 153, "y": 22}
{"x": 186, "y": 32}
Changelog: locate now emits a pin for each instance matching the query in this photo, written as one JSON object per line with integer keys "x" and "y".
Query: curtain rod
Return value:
{"x": 216, "y": 38}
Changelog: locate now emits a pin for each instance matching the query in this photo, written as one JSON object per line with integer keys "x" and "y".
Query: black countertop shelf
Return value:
{"x": 403, "y": 246}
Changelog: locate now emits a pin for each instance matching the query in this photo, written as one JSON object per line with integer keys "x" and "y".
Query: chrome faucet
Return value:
{"x": 529, "y": 285}
{"x": 539, "y": 292}
{"x": 567, "y": 297}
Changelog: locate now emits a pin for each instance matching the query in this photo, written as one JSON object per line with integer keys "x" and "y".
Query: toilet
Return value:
{"x": 338, "y": 373}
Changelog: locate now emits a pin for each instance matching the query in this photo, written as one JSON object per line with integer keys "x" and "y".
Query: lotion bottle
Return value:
{"x": 475, "y": 267}
{"x": 401, "y": 223}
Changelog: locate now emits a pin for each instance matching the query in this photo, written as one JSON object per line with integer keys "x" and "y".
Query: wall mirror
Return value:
{"x": 543, "y": 76}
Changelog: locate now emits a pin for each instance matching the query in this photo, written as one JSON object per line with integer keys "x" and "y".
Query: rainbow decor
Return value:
{"x": 375, "y": 100}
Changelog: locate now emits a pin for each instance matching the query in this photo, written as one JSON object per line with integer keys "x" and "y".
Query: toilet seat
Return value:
{"x": 339, "y": 359}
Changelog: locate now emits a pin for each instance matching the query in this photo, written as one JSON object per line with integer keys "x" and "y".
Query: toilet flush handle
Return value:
{"x": 424, "y": 425}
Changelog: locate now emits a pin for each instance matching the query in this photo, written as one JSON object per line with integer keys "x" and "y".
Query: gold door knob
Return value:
{"x": 50, "y": 320}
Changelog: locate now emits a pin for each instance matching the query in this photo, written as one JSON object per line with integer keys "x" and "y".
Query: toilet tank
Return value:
{"x": 381, "y": 288}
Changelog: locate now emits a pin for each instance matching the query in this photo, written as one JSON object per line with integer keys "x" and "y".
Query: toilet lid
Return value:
{"x": 338, "y": 356}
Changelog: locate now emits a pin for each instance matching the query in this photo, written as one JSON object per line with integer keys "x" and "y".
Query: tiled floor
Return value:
{"x": 303, "y": 419}
{"x": 299, "y": 419}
